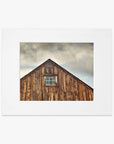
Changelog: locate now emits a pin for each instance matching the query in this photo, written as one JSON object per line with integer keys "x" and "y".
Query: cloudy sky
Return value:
{"x": 77, "y": 58}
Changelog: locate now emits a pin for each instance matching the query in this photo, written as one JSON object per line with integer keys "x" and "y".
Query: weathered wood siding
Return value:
{"x": 68, "y": 87}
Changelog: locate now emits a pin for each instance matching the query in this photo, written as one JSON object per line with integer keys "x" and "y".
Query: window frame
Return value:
{"x": 51, "y": 76}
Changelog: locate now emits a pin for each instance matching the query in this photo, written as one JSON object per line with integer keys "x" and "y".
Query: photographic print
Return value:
{"x": 56, "y": 71}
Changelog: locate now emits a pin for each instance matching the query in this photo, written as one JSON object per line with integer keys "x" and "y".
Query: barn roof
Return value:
{"x": 49, "y": 60}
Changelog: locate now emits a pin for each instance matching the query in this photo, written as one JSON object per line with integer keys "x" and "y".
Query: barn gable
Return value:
{"x": 49, "y": 81}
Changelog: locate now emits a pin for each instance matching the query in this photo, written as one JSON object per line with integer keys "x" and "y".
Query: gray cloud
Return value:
{"x": 77, "y": 58}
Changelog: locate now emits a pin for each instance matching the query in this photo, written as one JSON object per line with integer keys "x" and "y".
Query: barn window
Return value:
{"x": 50, "y": 81}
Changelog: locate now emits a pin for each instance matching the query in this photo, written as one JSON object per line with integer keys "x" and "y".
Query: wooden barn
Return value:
{"x": 51, "y": 82}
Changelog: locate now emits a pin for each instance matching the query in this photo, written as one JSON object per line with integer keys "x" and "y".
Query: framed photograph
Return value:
{"x": 42, "y": 79}
{"x": 56, "y": 72}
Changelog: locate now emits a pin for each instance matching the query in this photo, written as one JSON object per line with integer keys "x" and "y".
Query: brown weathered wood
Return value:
{"x": 40, "y": 92}
{"x": 87, "y": 94}
{"x": 67, "y": 87}
{"x": 84, "y": 93}
{"x": 59, "y": 76}
{"x": 81, "y": 92}
{"x": 21, "y": 90}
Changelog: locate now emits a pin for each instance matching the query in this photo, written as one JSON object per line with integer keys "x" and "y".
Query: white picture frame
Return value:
{"x": 102, "y": 104}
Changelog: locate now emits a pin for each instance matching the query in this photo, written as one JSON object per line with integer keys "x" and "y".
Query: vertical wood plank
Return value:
{"x": 74, "y": 97}
{"x": 51, "y": 93}
{"x": 68, "y": 88}
{"x": 32, "y": 87}
{"x": 55, "y": 70}
{"x": 87, "y": 94}
{"x": 21, "y": 91}
{"x": 37, "y": 85}
{"x": 81, "y": 92}
{"x": 62, "y": 86}
{"x": 43, "y": 85}
{"x": 84, "y": 93}
{"x": 47, "y": 97}
{"x": 92, "y": 96}
{"x": 59, "y": 84}
{"x": 24, "y": 90}
{"x": 29, "y": 88}
{"x": 40, "y": 90}
{"x": 66, "y": 95}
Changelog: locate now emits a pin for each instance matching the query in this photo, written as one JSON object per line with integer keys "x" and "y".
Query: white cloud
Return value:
{"x": 75, "y": 57}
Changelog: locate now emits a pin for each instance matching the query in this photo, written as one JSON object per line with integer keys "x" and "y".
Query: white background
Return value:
{"x": 79, "y": 129}
{"x": 11, "y": 105}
